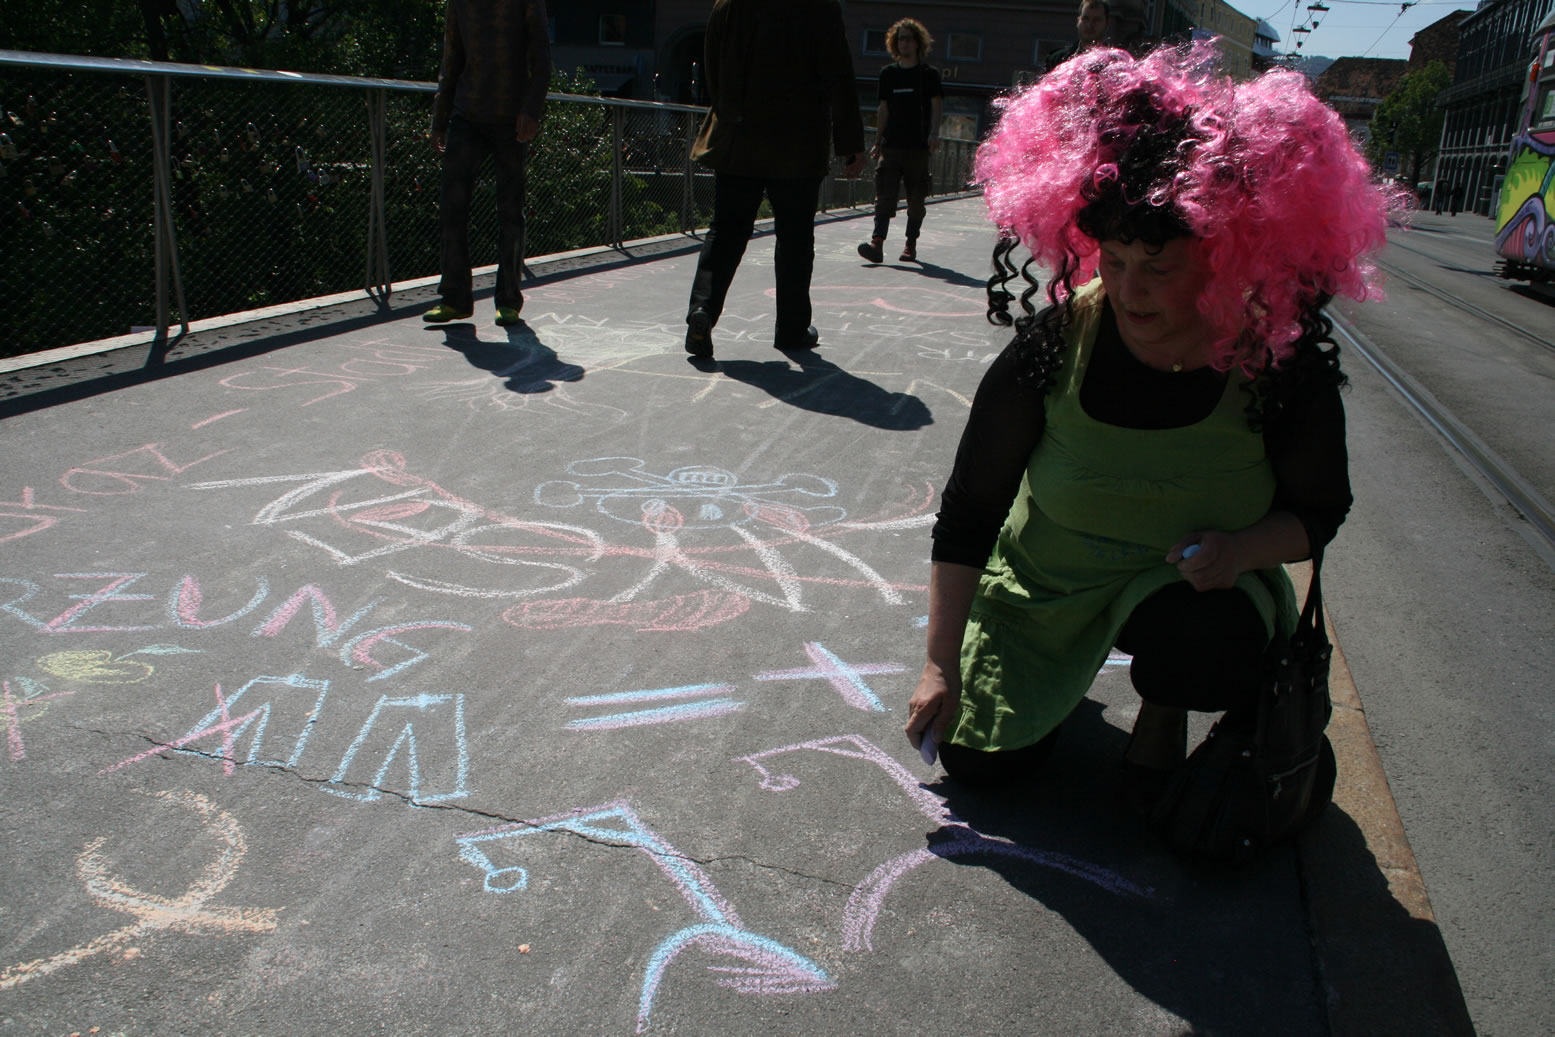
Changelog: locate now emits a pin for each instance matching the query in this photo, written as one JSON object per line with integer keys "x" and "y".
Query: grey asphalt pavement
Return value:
{"x": 364, "y": 675}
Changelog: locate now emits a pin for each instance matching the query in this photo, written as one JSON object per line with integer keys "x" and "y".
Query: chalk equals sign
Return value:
{"x": 707, "y": 706}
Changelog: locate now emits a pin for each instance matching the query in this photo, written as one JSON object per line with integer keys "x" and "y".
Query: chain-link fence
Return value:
{"x": 139, "y": 195}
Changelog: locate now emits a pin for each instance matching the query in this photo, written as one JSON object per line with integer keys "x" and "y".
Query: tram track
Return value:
{"x": 1518, "y": 492}
{"x": 1458, "y": 303}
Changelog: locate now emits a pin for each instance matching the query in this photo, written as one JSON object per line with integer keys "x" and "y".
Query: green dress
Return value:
{"x": 1085, "y": 543}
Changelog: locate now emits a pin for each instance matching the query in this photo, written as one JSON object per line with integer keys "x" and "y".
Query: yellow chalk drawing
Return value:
{"x": 187, "y": 913}
{"x": 94, "y": 666}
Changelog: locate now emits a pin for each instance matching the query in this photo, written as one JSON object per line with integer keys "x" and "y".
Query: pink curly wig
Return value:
{"x": 1262, "y": 172}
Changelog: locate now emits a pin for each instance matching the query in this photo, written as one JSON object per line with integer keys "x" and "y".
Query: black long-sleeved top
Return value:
{"x": 496, "y": 62}
{"x": 1304, "y": 440}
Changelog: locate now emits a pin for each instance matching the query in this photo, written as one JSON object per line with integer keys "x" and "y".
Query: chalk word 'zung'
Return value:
{"x": 183, "y": 611}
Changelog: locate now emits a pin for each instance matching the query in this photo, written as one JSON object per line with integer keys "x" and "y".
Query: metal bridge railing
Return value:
{"x": 138, "y": 195}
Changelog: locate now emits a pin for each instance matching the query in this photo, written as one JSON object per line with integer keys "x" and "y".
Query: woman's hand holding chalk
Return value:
{"x": 927, "y": 748}
{"x": 1189, "y": 551}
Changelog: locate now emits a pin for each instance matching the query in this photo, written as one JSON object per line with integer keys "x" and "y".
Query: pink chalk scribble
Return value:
{"x": 680, "y": 613}
{"x": 218, "y": 417}
{"x": 229, "y": 728}
{"x": 948, "y": 304}
{"x": 13, "y": 718}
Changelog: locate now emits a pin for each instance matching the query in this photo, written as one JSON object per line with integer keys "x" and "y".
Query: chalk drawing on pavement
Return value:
{"x": 845, "y": 678}
{"x": 864, "y": 903}
{"x": 768, "y": 521}
{"x": 441, "y": 714}
{"x": 189, "y": 913}
{"x": 712, "y": 702}
{"x": 32, "y": 696}
{"x": 765, "y": 966}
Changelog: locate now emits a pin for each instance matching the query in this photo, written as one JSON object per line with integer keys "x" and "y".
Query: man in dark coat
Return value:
{"x": 781, "y": 80}
{"x": 490, "y": 97}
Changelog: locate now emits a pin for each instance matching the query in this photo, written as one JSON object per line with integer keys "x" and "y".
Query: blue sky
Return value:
{"x": 1350, "y": 28}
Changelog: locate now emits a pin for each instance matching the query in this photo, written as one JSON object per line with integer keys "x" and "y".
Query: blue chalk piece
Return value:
{"x": 1190, "y": 550}
{"x": 927, "y": 748}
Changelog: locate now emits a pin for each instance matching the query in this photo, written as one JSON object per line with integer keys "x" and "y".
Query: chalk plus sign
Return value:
{"x": 845, "y": 677}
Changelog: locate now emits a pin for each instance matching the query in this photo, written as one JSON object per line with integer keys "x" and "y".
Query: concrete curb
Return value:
{"x": 1379, "y": 953}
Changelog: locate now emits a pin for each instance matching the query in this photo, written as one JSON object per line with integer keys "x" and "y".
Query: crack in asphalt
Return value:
{"x": 487, "y": 815}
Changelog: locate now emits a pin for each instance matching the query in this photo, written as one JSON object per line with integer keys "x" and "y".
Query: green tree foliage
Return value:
{"x": 1408, "y": 121}
{"x": 389, "y": 38}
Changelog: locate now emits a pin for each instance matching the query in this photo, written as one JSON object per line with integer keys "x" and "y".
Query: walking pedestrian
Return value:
{"x": 781, "y": 81}
{"x": 490, "y": 99}
{"x": 1090, "y": 31}
{"x": 907, "y": 124}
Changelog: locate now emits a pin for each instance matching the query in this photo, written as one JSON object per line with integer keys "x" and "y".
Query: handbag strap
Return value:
{"x": 1312, "y": 611}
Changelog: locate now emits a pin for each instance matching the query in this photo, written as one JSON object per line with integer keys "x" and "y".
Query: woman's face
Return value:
{"x": 1155, "y": 292}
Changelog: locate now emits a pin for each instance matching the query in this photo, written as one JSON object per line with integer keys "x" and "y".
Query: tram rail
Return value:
{"x": 1517, "y": 491}
{"x": 1453, "y": 300}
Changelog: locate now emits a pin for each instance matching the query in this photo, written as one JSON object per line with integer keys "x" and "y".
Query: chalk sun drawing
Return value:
{"x": 188, "y": 913}
{"x": 767, "y": 967}
{"x": 863, "y": 907}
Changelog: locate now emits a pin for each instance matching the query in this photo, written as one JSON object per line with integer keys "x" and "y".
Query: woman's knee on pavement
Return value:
{"x": 990, "y": 768}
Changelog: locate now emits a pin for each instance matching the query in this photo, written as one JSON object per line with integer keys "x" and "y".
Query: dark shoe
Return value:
{"x": 442, "y": 313}
{"x": 1156, "y": 748}
{"x": 872, "y": 251}
{"x": 507, "y": 315}
{"x": 808, "y": 339}
{"x": 909, "y": 253}
{"x": 699, "y": 334}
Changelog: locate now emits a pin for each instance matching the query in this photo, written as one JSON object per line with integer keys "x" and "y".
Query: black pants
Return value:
{"x": 736, "y": 200}
{"x": 901, "y": 168}
{"x": 468, "y": 145}
{"x": 1200, "y": 650}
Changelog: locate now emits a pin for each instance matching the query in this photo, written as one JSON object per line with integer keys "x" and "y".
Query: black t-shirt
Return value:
{"x": 907, "y": 93}
{"x": 1304, "y": 441}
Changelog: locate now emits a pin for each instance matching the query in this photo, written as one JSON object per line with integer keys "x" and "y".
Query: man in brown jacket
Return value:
{"x": 783, "y": 99}
{"x": 490, "y": 97}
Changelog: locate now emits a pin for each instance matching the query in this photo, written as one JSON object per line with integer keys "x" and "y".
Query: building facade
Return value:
{"x": 652, "y": 49}
{"x": 1355, "y": 87}
{"x": 1494, "y": 45}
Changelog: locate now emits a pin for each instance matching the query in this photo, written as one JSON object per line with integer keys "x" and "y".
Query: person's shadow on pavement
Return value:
{"x": 1219, "y": 950}
{"x": 821, "y": 386}
{"x": 529, "y": 365}
{"x": 949, "y": 276}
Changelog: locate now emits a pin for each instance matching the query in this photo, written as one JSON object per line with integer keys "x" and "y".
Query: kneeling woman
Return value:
{"x": 1149, "y": 449}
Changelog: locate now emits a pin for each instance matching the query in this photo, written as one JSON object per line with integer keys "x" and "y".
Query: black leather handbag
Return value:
{"x": 1250, "y": 786}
